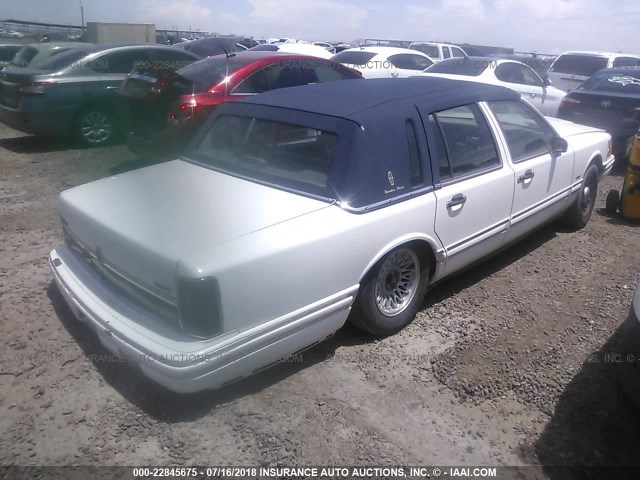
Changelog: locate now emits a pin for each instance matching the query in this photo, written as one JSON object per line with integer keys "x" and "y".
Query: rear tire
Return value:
{"x": 95, "y": 126}
{"x": 391, "y": 293}
{"x": 579, "y": 213}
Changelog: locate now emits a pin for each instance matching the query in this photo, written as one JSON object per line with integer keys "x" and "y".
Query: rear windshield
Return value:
{"x": 8, "y": 52}
{"x": 585, "y": 65}
{"x": 62, "y": 60}
{"x": 353, "y": 58}
{"x": 430, "y": 50}
{"x": 469, "y": 66}
{"x": 620, "y": 82}
{"x": 24, "y": 56}
{"x": 209, "y": 72}
{"x": 269, "y": 151}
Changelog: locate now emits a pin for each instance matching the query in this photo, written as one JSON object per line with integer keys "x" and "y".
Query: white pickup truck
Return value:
{"x": 438, "y": 51}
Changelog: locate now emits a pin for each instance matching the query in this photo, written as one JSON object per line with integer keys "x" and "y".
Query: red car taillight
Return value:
{"x": 182, "y": 112}
{"x": 34, "y": 89}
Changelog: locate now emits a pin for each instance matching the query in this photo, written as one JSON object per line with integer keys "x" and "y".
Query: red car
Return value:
{"x": 167, "y": 108}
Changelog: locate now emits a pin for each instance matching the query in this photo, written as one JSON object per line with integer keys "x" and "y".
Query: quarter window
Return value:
{"x": 525, "y": 131}
{"x": 468, "y": 140}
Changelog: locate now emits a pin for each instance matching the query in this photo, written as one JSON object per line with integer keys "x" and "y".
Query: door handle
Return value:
{"x": 457, "y": 199}
{"x": 528, "y": 175}
{"x": 533, "y": 94}
{"x": 394, "y": 74}
{"x": 113, "y": 88}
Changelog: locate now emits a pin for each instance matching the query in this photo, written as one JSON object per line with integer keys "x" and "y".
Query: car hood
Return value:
{"x": 142, "y": 223}
{"x": 566, "y": 128}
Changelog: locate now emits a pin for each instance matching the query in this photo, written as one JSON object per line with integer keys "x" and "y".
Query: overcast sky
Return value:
{"x": 545, "y": 26}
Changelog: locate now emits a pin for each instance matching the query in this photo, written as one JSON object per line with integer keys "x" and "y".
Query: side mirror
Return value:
{"x": 558, "y": 145}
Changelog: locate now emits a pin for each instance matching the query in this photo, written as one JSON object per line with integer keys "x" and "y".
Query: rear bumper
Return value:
{"x": 38, "y": 123}
{"x": 183, "y": 364}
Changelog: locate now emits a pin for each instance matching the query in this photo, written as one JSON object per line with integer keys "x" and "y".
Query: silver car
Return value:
{"x": 296, "y": 209}
{"x": 74, "y": 93}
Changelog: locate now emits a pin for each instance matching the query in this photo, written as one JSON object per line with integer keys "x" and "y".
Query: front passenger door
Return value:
{"x": 542, "y": 179}
{"x": 474, "y": 191}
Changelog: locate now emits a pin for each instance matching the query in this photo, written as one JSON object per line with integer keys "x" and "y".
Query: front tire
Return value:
{"x": 579, "y": 213}
{"x": 95, "y": 127}
{"x": 392, "y": 293}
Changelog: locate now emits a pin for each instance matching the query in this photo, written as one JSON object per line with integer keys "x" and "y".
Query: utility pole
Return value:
{"x": 82, "y": 14}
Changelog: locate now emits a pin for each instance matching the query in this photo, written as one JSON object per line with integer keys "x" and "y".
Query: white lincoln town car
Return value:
{"x": 295, "y": 210}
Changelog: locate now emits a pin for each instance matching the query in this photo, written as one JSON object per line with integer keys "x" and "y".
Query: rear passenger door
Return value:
{"x": 113, "y": 67}
{"x": 542, "y": 180}
{"x": 474, "y": 189}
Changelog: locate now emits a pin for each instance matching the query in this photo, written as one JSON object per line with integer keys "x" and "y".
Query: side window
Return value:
{"x": 530, "y": 77}
{"x": 255, "y": 83}
{"x": 468, "y": 140}
{"x": 525, "y": 131}
{"x": 457, "y": 52}
{"x": 330, "y": 71}
{"x": 414, "y": 155}
{"x": 120, "y": 62}
{"x": 445, "y": 52}
{"x": 408, "y": 61}
{"x": 510, "y": 73}
{"x": 289, "y": 74}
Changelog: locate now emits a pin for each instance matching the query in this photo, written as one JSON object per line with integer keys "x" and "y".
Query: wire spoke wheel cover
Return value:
{"x": 96, "y": 127}
{"x": 397, "y": 282}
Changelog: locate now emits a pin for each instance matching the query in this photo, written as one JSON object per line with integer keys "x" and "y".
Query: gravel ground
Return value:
{"x": 505, "y": 364}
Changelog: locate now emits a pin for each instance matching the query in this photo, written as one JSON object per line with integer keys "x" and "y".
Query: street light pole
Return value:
{"x": 82, "y": 13}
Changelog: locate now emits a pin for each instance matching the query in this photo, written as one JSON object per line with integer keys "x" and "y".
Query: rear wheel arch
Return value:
{"x": 424, "y": 248}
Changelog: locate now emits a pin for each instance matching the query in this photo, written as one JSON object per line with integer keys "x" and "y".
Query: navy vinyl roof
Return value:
{"x": 351, "y": 98}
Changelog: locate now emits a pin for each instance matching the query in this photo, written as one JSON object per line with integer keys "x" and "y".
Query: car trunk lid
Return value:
{"x": 604, "y": 110}
{"x": 142, "y": 223}
{"x": 11, "y": 79}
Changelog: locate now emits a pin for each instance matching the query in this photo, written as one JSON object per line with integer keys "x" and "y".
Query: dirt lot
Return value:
{"x": 505, "y": 365}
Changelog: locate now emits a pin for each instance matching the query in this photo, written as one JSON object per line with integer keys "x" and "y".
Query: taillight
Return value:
{"x": 200, "y": 306}
{"x": 568, "y": 102}
{"x": 35, "y": 88}
{"x": 182, "y": 112}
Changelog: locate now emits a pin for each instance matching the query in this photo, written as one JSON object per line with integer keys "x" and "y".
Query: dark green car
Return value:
{"x": 75, "y": 93}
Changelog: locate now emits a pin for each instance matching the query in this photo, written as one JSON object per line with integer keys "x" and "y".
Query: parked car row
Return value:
{"x": 75, "y": 92}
